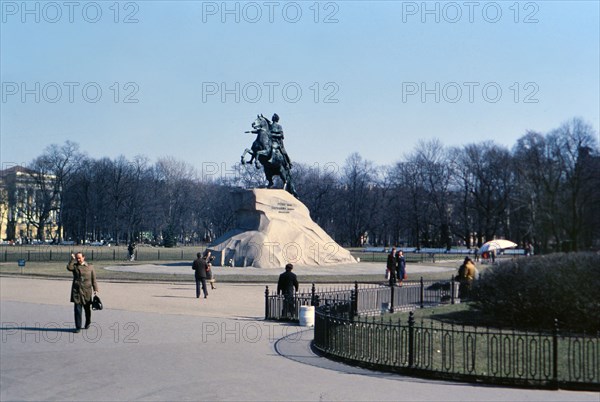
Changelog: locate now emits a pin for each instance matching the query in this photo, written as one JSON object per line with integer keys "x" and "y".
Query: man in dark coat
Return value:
{"x": 391, "y": 266}
{"x": 200, "y": 265}
{"x": 287, "y": 284}
{"x": 83, "y": 287}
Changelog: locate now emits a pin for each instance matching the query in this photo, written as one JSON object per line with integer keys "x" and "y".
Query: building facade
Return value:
{"x": 28, "y": 206}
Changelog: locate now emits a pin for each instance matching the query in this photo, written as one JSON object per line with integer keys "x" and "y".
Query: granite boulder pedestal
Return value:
{"x": 274, "y": 228}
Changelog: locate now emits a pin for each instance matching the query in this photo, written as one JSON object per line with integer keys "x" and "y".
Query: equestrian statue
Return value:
{"x": 268, "y": 150}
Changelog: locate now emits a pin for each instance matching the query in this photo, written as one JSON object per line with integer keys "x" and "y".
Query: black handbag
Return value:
{"x": 97, "y": 303}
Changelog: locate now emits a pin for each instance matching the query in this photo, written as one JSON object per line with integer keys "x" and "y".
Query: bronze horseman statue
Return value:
{"x": 268, "y": 150}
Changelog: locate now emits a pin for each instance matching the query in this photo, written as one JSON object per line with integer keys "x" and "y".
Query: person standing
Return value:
{"x": 131, "y": 251}
{"x": 401, "y": 266}
{"x": 83, "y": 288}
{"x": 287, "y": 285}
{"x": 210, "y": 275}
{"x": 392, "y": 266}
{"x": 200, "y": 266}
{"x": 466, "y": 275}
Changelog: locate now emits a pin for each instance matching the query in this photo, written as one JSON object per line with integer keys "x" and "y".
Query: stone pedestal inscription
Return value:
{"x": 274, "y": 228}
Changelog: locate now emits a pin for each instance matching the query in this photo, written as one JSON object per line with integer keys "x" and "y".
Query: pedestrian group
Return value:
{"x": 396, "y": 267}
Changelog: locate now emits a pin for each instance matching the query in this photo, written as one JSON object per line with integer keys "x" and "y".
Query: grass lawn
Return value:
{"x": 57, "y": 269}
{"x": 458, "y": 339}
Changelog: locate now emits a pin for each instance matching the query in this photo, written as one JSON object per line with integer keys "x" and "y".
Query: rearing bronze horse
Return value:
{"x": 267, "y": 152}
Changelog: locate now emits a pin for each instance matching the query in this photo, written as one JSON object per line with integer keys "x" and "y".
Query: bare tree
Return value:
{"x": 532, "y": 171}
{"x": 434, "y": 166}
{"x": 574, "y": 142}
{"x": 358, "y": 197}
{"x": 176, "y": 183}
{"x": 463, "y": 181}
{"x": 490, "y": 172}
{"x": 319, "y": 189}
{"x": 51, "y": 173}
{"x": 412, "y": 213}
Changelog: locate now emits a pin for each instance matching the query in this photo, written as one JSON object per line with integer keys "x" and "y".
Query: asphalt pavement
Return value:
{"x": 157, "y": 342}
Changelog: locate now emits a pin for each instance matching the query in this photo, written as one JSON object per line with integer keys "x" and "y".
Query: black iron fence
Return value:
{"x": 365, "y": 299}
{"x": 44, "y": 253}
{"x": 346, "y": 328}
{"x": 510, "y": 357}
{"x": 114, "y": 253}
{"x": 275, "y": 308}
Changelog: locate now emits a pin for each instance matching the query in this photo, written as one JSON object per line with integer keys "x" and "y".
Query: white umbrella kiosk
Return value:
{"x": 499, "y": 244}
{"x": 492, "y": 246}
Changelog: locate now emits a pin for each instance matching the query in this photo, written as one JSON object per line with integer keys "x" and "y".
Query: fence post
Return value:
{"x": 114, "y": 254}
{"x": 422, "y": 293}
{"x": 411, "y": 340}
{"x": 50, "y": 255}
{"x": 267, "y": 303}
{"x": 452, "y": 284}
{"x": 28, "y": 255}
{"x": 555, "y": 354}
{"x": 354, "y": 302}
{"x": 313, "y": 290}
{"x": 392, "y": 285}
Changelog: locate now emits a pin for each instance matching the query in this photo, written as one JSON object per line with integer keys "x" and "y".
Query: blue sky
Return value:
{"x": 186, "y": 78}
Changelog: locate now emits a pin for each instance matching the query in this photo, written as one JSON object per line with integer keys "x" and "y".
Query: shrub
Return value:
{"x": 532, "y": 292}
{"x": 169, "y": 239}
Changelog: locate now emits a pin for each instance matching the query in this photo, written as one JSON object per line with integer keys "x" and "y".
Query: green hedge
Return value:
{"x": 532, "y": 292}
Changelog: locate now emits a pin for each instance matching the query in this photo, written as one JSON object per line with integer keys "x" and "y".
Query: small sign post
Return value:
{"x": 21, "y": 263}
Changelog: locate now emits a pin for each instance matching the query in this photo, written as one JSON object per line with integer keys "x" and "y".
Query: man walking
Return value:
{"x": 200, "y": 266}
{"x": 84, "y": 283}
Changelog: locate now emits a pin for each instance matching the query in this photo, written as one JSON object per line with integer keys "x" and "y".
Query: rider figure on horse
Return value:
{"x": 277, "y": 139}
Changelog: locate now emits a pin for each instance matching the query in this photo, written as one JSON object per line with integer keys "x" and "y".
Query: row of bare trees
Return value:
{"x": 544, "y": 191}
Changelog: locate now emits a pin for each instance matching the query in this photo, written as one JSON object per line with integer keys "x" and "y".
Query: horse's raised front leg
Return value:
{"x": 247, "y": 151}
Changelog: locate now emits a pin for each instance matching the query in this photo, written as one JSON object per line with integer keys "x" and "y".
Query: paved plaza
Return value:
{"x": 325, "y": 271}
{"x": 157, "y": 342}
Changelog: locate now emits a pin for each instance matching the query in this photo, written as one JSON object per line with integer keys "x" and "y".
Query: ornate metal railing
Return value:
{"x": 511, "y": 357}
{"x": 346, "y": 329}
{"x": 366, "y": 299}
